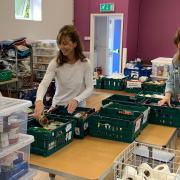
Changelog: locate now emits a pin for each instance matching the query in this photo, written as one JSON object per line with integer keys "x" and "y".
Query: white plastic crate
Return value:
{"x": 13, "y": 120}
{"x": 147, "y": 162}
{"x": 160, "y": 67}
{"x": 14, "y": 160}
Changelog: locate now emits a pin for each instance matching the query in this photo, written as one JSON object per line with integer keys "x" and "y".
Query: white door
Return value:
{"x": 106, "y": 42}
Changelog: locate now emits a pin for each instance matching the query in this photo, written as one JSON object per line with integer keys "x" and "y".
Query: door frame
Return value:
{"x": 92, "y": 36}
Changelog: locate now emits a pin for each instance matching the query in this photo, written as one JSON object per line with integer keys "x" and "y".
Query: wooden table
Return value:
{"x": 158, "y": 135}
{"x": 90, "y": 158}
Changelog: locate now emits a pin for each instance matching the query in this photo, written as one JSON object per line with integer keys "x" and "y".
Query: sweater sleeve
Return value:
{"x": 170, "y": 81}
{"x": 88, "y": 78}
{"x": 48, "y": 77}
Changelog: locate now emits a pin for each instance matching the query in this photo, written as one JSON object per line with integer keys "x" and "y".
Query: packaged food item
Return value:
{"x": 14, "y": 125}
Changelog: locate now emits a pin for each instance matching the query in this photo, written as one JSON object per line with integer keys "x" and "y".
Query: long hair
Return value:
{"x": 176, "y": 42}
{"x": 71, "y": 32}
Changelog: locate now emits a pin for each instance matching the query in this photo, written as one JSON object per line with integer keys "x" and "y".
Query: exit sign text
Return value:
{"x": 107, "y": 7}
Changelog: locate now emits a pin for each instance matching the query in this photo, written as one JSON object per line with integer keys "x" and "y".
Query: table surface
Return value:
{"x": 156, "y": 135}
{"x": 89, "y": 158}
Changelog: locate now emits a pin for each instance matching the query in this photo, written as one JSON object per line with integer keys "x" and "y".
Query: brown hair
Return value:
{"x": 176, "y": 42}
{"x": 177, "y": 37}
{"x": 71, "y": 32}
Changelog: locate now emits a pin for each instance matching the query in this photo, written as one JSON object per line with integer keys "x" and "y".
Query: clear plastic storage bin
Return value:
{"x": 160, "y": 67}
{"x": 13, "y": 120}
{"x": 14, "y": 160}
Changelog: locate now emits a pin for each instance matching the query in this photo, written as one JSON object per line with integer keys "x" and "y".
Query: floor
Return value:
{"x": 93, "y": 102}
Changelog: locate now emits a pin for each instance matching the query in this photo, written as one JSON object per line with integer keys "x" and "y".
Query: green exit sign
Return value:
{"x": 107, "y": 7}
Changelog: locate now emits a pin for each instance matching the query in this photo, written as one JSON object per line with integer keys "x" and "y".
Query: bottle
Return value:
{"x": 13, "y": 134}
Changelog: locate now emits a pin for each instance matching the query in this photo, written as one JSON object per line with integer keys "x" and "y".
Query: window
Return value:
{"x": 28, "y": 10}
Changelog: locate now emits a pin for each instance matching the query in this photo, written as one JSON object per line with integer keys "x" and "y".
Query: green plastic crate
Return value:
{"x": 99, "y": 83}
{"x": 5, "y": 75}
{"x": 116, "y": 98}
{"x": 150, "y": 94}
{"x": 116, "y": 110}
{"x": 163, "y": 115}
{"x": 81, "y": 127}
{"x": 49, "y": 141}
{"x": 148, "y": 86}
{"x": 114, "y": 128}
{"x": 114, "y": 84}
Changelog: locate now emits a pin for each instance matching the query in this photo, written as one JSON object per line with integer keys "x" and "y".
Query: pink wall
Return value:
{"x": 82, "y": 11}
{"x": 132, "y": 28}
{"x": 149, "y": 26}
{"x": 159, "y": 20}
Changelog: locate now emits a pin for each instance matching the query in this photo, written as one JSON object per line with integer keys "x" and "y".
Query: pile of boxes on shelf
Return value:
{"x": 43, "y": 52}
{"x": 14, "y": 142}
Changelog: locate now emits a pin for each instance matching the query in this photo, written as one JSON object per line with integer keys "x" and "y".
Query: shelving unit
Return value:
{"x": 22, "y": 69}
{"x": 43, "y": 52}
{"x": 14, "y": 142}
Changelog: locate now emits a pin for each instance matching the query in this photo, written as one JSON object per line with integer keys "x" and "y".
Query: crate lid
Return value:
{"x": 163, "y": 60}
{"x": 24, "y": 140}
{"x": 10, "y": 105}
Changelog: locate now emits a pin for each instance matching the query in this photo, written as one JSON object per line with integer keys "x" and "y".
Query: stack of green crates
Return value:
{"x": 163, "y": 115}
{"x": 118, "y": 127}
{"x": 49, "y": 141}
{"x": 116, "y": 98}
{"x": 150, "y": 86}
{"x": 114, "y": 84}
{"x": 116, "y": 109}
{"x": 81, "y": 127}
{"x": 5, "y": 75}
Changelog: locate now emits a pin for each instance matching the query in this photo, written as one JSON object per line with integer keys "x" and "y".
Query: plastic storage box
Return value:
{"x": 143, "y": 161}
{"x": 118, "y": 127}
{"x": 48, "y": 141}
{"x": 116, "y": 98}
{"x": 163, "y": 115}
{"x": 160, "y": 67}
{"x": 14, "y": 160}
{"x": 115, "y": 109}
{"x": 13, "y": 120}
{"x": 156, "y": 86}
{"x": 80, "y": 116}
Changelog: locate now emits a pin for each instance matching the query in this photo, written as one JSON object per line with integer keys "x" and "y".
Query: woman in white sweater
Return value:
{"x": 72, "y": 73}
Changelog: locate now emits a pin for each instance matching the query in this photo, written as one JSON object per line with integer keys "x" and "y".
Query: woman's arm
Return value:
{"x": 88, "y": 78}
{"x": 43, "y": 86}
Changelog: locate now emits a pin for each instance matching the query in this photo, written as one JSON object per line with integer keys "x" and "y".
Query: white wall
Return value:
{"x": 55, "y": 14}
{"x": 101, "y": 41}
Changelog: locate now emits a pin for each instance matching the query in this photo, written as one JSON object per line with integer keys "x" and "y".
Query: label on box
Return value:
{"x": 77, "y": 131}
{"x": 68, "y": 127}
{"x": 138, "y": 124}
{"x": 145, "y": 118}
{"x": 133, "y": 84}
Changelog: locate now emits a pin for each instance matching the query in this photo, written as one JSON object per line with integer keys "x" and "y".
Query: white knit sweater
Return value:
{"x": 73, "y": 81}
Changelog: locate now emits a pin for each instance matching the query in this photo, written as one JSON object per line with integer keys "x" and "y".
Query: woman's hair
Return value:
{"x": 71, "y": 32}
{"x": 177, "y": 37}
{"x": 176, "y": 42}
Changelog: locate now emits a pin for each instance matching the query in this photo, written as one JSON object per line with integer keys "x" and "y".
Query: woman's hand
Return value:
{"x": 165, "y": 100}
{"x": 39, "y": 109}
{"x": 72, "y": 105}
